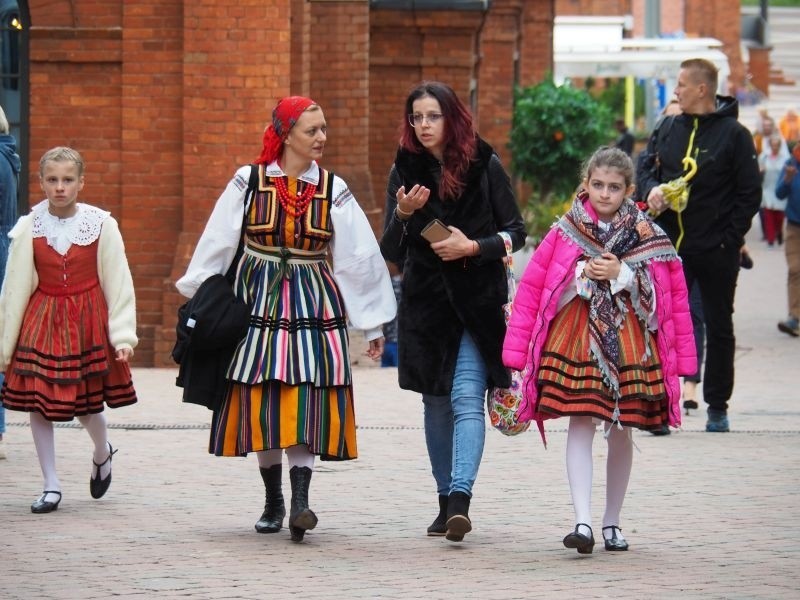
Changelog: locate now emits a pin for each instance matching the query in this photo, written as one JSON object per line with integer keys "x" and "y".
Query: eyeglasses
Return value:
{"x": 418, "y": 119}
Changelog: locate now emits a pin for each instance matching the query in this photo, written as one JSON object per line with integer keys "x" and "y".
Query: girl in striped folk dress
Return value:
{"x": 601, "y": 321}
{"x": 289, "y": 383}
{"x": 68, "y": 321}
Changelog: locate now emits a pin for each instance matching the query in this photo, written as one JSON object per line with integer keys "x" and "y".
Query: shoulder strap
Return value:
{"x": 252, "y": 186}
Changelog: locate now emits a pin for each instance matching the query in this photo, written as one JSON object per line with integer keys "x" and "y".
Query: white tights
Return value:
{"x": 298, "y": 456}
{"x": 579, "y": 469}
{"x": 44, "y": 440}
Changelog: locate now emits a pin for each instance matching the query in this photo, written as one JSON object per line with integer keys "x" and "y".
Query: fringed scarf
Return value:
{"x": 632, "y": 238}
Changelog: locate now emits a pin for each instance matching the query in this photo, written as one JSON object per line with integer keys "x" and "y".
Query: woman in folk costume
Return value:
{"x": 290, "y": 383}
{"x": 601, "y": 320}
{"x": 68, "y": 321}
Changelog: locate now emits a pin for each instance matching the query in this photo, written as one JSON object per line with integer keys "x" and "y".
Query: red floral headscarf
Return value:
{"x": 284, "y": 116}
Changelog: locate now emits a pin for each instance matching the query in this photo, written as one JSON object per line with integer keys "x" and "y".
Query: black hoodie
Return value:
{"x": 725, "y": 193}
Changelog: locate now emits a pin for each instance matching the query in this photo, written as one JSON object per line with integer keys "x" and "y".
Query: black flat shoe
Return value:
{"x": 98, "y": 487}
{"x": 614, "y": 544}
{"x": 690, "y": 404}
{"x": 43, "y": 506}
{"x": 584, "y": 544}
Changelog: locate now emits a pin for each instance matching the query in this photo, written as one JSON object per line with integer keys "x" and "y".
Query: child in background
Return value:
{"x": 68, "y": 321}
{"x": 604, "y": 309}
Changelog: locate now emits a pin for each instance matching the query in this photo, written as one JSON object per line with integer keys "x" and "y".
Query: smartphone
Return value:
{"x": 435, "y": 231}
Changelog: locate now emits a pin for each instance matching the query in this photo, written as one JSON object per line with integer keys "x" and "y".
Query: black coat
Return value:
{"x": 209, "y": 328}
{"x": 440, "y": 299}
{"x": 725, "y": 193}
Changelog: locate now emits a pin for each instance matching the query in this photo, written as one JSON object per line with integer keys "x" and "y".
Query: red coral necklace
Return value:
{"x": 295, "y": 206}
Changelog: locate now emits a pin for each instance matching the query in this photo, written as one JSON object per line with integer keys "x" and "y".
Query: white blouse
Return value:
{"x": 358, "y": 267}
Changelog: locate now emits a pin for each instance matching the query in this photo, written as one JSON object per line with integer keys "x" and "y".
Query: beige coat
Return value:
{"x": 21, "y": 281}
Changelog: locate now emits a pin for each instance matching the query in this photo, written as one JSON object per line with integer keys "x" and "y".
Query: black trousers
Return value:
{"x": 716, "y": 272}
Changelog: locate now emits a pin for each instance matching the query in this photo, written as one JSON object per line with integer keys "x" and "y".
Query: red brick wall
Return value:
{"x": 406, "y": 48}
{"x": 165, "y": 98}
{"x": 339, "y": 81}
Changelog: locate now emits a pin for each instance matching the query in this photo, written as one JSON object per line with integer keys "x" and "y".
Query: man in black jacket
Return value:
{"x": 723, "y": 196}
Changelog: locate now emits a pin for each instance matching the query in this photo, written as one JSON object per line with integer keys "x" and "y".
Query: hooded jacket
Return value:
{"x": 440, "y": 299}
{"x": 725, "y": 193}
{"x": 535, "y": 306}
{"x": 10, "y": 166}
{"x": 790, "y": 191}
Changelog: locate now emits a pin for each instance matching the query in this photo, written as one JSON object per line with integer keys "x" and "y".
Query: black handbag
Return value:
{"x": 210, "y": 326}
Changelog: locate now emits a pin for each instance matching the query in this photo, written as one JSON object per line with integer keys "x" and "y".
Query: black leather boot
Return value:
{"x": 439, "y": 525}
{"x": 301, "y": 518}
{"x": 458, "y": 522}
{"x": 274, "y": 508}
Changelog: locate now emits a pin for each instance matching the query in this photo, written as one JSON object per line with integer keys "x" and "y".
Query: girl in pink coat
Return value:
{"x": 601, "y": 321}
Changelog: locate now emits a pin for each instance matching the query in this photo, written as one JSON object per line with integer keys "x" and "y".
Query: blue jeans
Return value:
{"x": 2, "y": 410}
{"x": 455, "y": 425}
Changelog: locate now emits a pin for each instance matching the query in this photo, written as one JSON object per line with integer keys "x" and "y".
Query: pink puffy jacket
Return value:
{"x": 548, "y": 273}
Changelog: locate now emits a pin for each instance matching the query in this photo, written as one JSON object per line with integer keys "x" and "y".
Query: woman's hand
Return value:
{"x": 456, "y": 246}
{"x": 124, "y": 354}
{"x": 603, "y": 268}
{"x": 411, "y": 201}
{"x": 375, "y": 350}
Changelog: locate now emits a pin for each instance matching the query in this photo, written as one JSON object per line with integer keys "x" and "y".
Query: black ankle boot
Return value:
{"x": 301, "y": 518}
{"x": 458, "y": 522}
{"x": 274, "y": 509}
{"x": 439, "y": 525}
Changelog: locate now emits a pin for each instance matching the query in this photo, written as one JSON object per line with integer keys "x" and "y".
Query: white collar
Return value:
{"x": 83, "y": 228}
{"x": 311, "y": 175}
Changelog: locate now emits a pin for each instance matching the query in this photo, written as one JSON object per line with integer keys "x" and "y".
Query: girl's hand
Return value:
{"x": 456, "y": 246}
{"x": 603, "y": 268}
{"x": 124, "y": 354}
{"x": 375, "y": 350}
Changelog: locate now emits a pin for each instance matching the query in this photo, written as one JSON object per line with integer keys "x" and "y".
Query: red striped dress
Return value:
{"x": 64, "y": 365}
{"x": 572, "y": 384}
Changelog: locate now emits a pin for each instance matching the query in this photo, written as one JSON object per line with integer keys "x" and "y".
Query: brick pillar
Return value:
{"x": 235, "y": 64}
{"x": 152, "y": 191}
{"x": 497, "y": 73}
{"x": 339, "y": 81}
{"x": 759, "y": 67}
{"x": 719, "y": 19}
{"x": 407, "y": 48}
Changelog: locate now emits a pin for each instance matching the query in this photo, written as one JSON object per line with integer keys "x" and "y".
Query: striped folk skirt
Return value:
{"x": 274, "y": 414}
{"x": 572, "y": 384}
{"x": 290, "y": 379}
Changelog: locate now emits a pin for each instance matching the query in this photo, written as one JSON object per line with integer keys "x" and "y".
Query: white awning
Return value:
{"x": 595, "y": 47}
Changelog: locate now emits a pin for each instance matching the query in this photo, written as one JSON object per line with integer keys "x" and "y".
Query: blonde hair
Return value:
{"x": 61, "y": 154}
{"x": 703, "y": 70}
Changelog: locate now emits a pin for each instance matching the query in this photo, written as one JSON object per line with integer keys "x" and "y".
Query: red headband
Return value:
{"x": 284, "y": 116}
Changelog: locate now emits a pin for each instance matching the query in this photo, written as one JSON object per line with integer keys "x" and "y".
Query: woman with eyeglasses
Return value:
{"x": 450, "y": 320}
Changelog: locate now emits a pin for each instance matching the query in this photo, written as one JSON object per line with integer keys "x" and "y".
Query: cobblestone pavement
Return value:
{"x": 707, "y": 515}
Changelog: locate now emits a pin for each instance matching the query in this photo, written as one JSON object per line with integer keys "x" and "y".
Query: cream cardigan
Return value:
{"x": 21, "y": 281}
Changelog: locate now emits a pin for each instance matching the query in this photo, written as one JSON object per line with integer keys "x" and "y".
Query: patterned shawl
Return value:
{"x": 634, "y": 239}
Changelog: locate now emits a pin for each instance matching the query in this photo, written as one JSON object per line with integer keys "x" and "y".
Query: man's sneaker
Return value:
{"x": 2, "y": 449}
{"x": 717, "y": 422}
{"x": 790, "y": 326}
